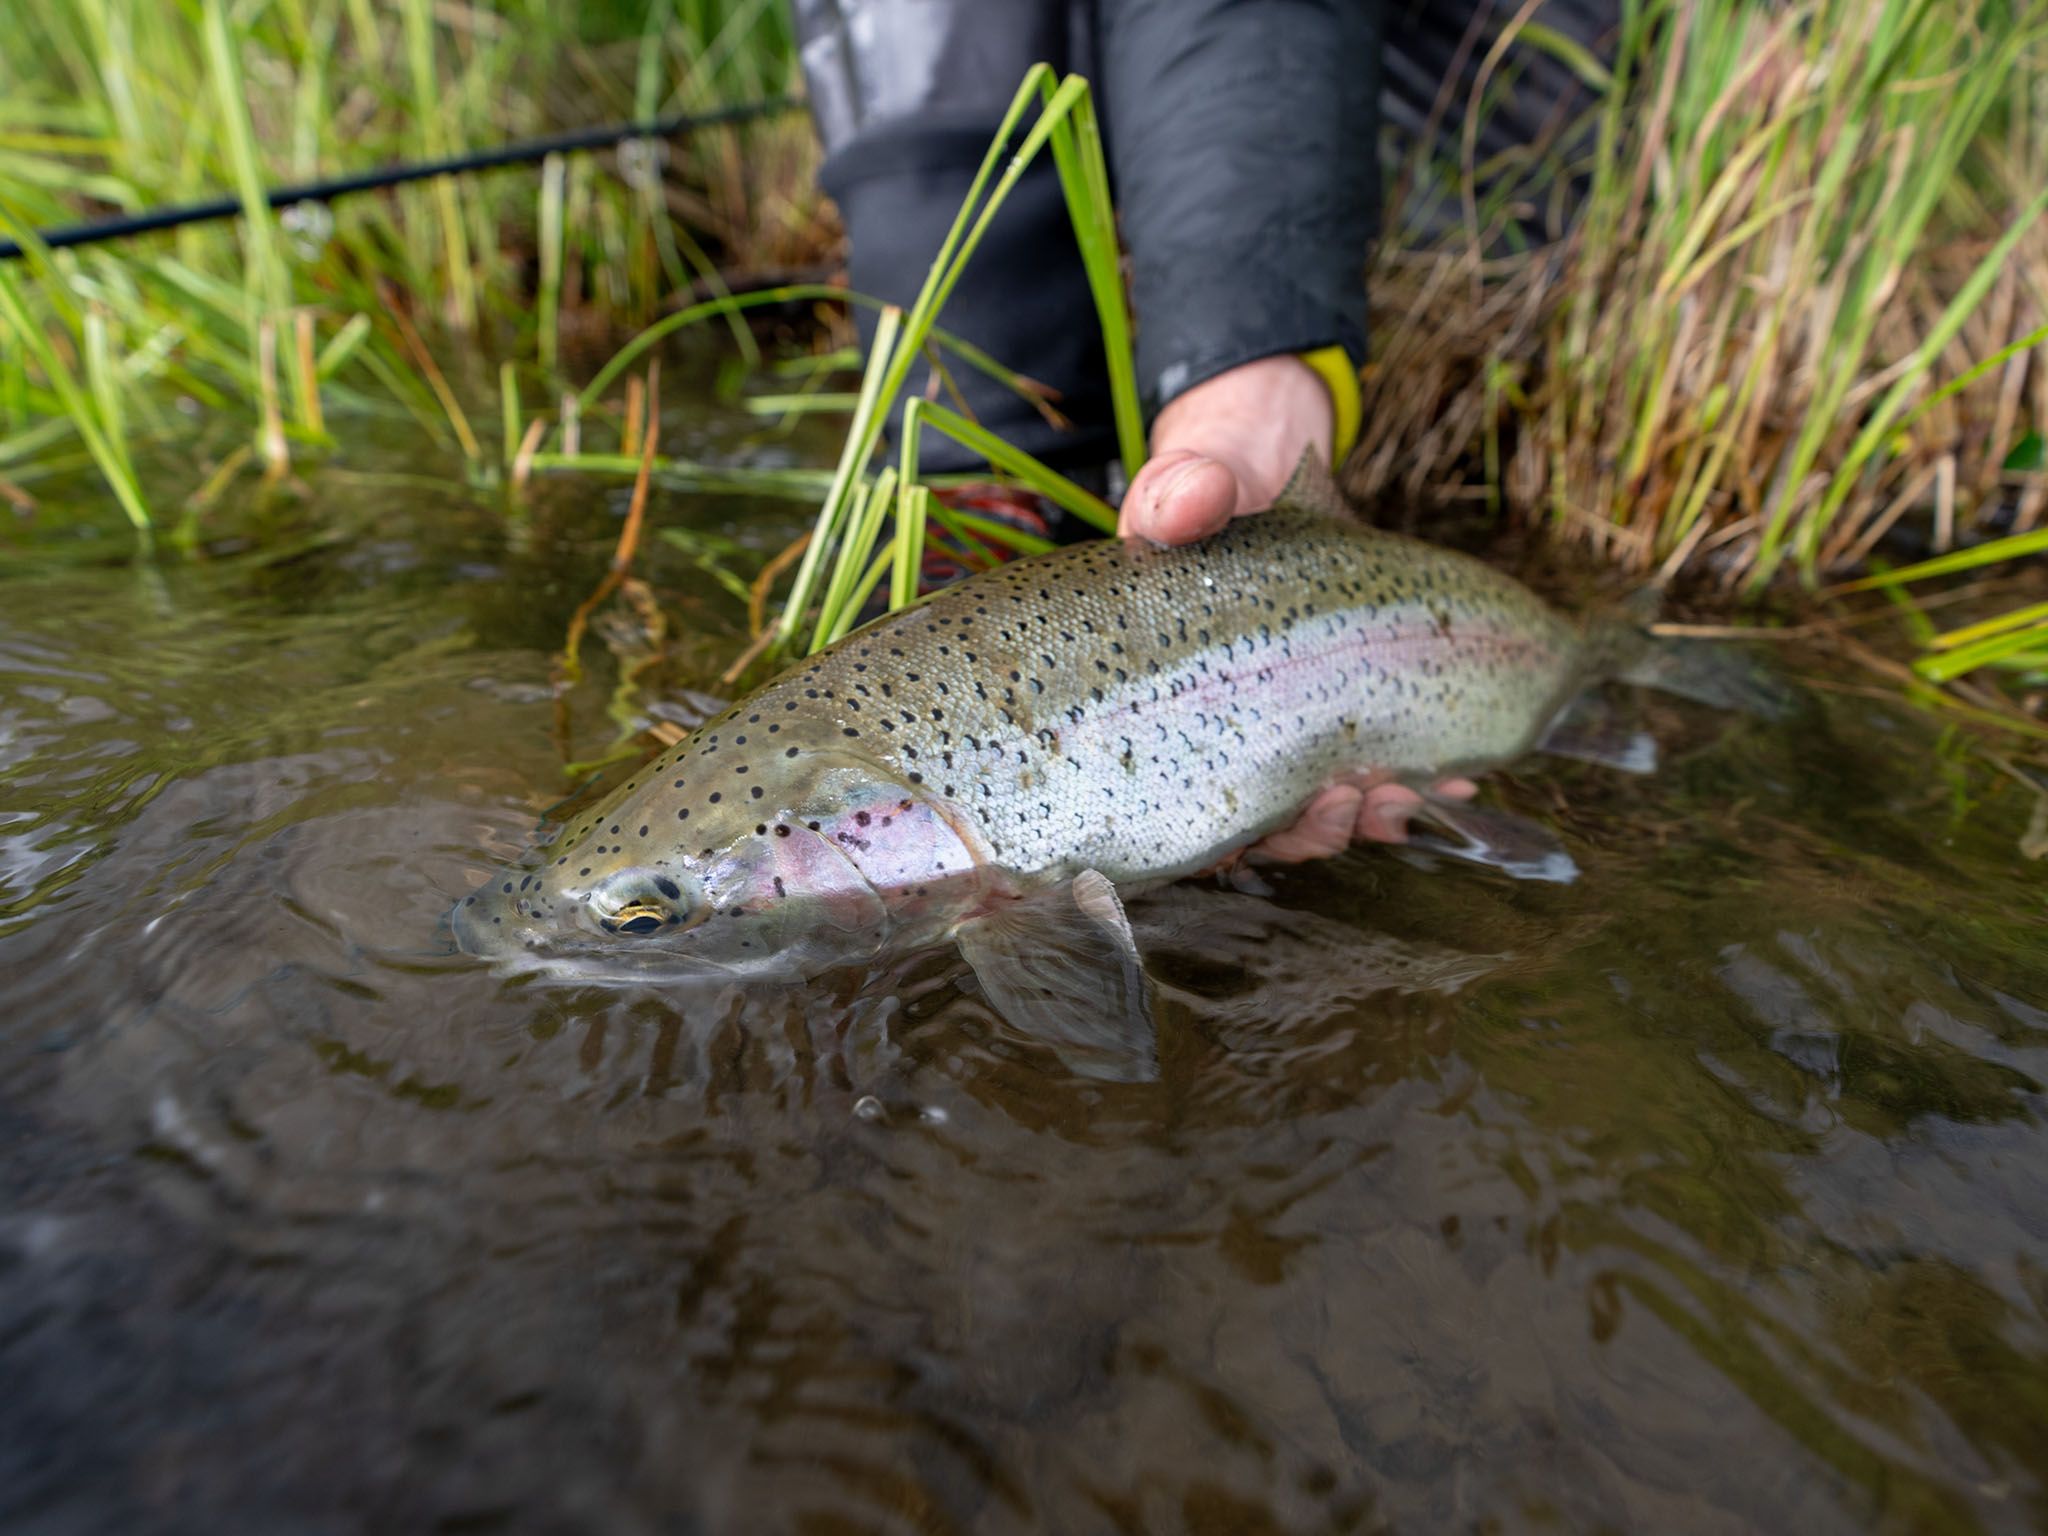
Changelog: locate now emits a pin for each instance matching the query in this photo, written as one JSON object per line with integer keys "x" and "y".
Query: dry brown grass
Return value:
{"x": 1807, "y": 228}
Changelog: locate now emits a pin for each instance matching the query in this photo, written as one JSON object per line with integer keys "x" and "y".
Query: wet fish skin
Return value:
{"x": 1115, "y": 706}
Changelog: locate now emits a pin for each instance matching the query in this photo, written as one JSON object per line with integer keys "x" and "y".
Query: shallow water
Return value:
{"x": 1707, "y": 1193}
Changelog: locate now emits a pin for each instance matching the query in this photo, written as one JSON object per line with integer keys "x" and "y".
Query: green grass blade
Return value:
{"x": 341, "y": 346}
{"x": 113, "y": 463}
{"x": 1945, "y": 666}
{"x": 864, "y": 589}
{"x": 427, "y": 98}
{"x": 1959, "y": 310}
{"x": 1992, "y": 552}
{"x": 911, "y": 508}
{"x": 849, "y": 587}
{"x": 791, "y": 293}
{"x": 1026, "y": 470}
{"x": 1999, "y": 624}
{"x": 1084, "y": 179}
{"x": 852, "y": 459}
{"x": 548, "y": 300}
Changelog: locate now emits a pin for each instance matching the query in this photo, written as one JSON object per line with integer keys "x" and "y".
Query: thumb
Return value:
{"x": 1179, "y": 497}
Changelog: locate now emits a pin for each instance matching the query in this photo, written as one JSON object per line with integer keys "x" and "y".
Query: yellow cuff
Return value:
{"x": 1334, "y": 367}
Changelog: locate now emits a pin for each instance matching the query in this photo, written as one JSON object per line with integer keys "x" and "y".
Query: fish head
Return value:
{"x": 751, "y": 906}
{"x": 686, "y": 870}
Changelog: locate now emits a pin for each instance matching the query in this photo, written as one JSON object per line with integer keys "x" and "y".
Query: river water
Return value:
{"x": 1708, "y": 1193}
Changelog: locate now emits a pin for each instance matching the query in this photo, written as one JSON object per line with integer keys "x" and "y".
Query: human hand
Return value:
{"x": 1224, "y": 449}
{"x": 1341, "y": 814}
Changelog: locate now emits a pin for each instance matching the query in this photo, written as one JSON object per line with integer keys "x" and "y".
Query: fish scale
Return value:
{"x": 1114, "y": 706}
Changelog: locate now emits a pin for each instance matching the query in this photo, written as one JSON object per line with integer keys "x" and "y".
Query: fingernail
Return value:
{"x": 1174, "y": 478}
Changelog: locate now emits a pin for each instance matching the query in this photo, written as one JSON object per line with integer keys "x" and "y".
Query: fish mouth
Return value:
{"x": 479, "y": 927}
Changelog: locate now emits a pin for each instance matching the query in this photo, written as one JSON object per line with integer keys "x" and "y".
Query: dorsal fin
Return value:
{"x": 1312, "y": 488}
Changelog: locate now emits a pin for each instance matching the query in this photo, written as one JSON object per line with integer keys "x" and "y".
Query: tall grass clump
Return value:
{"x": 850, "y": 523}
{"x": 273, "y": 323}
{"x": 1803, "y": 297}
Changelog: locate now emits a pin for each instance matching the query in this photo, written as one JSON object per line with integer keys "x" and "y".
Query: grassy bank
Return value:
{"x": 1799, "y": 307}
{"x": 1802, "y": 307}
{"x": 306, "y": 323}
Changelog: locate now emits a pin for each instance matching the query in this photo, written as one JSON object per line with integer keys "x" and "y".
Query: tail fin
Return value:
{"x": 1709, "y": 672}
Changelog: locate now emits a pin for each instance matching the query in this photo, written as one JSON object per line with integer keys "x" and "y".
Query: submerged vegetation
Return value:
{"x": 1780, "y": 300}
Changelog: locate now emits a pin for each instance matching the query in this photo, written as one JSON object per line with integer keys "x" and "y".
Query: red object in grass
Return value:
{"x": 948, "y": 558}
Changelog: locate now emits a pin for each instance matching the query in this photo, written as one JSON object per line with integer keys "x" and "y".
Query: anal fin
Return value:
{"x": 1063, "y": 969}
{"x": 1499, "y": 840}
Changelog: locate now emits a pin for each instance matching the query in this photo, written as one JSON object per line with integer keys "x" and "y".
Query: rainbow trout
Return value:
{"x": 991, "y": 766}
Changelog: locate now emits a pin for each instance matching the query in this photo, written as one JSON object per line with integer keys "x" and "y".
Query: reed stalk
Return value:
{"x": 1065, "y": 121}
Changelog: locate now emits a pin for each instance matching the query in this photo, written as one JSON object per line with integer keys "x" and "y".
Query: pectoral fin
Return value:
{"x": 1064, "y": 969}
{"x": 1498, "y": 839}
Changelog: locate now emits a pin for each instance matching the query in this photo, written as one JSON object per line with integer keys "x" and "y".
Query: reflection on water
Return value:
{"x": 1709, "y": 1193}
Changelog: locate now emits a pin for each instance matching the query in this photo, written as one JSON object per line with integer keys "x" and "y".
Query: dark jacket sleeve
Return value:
{"x": 907, "y": 95}
{"x": 1243, "y": 139}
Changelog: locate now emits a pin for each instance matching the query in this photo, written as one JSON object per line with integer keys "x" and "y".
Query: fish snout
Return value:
{"x": 488, "y": 924}
{"x": 472, "y": 926}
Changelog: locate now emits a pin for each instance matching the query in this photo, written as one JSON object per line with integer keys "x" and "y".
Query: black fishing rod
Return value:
{"x": 525, "y": 152}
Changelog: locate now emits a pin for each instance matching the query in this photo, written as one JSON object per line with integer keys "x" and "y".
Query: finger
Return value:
{"x": 1324, "y": 828}
{"x": 1383, "y": 814}
{"x": 1455, "y": 789}
{"x": 1179, "y": 497}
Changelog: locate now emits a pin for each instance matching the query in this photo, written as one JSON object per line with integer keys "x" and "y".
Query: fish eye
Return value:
{"x": 636, "y": 902}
